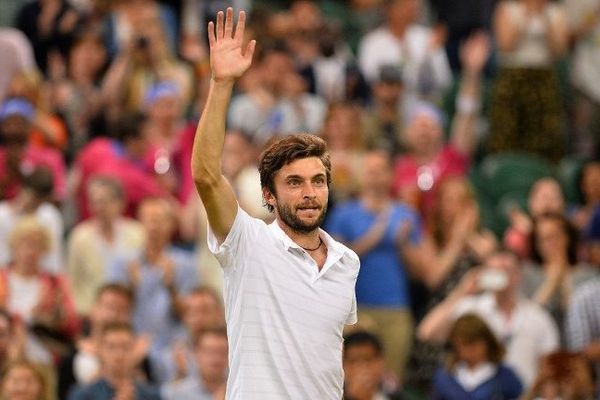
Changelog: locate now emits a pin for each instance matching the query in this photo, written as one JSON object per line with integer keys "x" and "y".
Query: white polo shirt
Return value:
{"x": 284, "y": 316}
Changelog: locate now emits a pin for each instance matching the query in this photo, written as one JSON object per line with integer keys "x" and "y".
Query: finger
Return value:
{"x": 240, "y": 27}
{"x": 250, "y": 50}
{"x": 211, "y": 34}
{"x": 229, "y": 22}
{"x": 219, "y": 25}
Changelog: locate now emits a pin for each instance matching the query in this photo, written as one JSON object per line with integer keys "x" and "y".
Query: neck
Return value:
{"x": 506, "y": 302}
{"x": 398, "y": 29}
{"x": 212, "y": 384}
{"x": 25, "y": 270}
{"x": 306, "y": 240}
{"x": 375, "y": 200}
{"x": 106, "y": 227}
{"x": 117, "y": 378}
{"x": 154, "y": 249}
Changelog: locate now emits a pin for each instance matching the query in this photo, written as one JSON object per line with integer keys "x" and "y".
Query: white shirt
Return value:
{"x": 380, "y": 47}
{"x": 585, "y": 69}
{"x": 528, "y": 335}
{"x": 284, "y": 316}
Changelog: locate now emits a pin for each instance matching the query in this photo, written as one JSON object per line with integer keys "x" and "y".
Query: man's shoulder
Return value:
{"x": 587, "y": 291}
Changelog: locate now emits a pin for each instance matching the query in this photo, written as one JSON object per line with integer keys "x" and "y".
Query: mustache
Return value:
{"x": 309, "y": 204}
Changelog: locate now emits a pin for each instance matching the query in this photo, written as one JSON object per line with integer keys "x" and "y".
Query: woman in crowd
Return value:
{"x": 41, "y": 300}
{"x": 555, "y": 272}
{"x": 474, "y": 368}
{"x": 22, "y": 380}
{"x": 526, "y": 115}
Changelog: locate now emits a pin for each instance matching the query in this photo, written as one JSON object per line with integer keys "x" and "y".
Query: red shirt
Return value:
{"x": 417, "y": 183}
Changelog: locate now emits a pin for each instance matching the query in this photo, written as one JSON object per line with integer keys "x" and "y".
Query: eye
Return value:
{"x": 320, "y": 181}
{"x": 294, "y": 182}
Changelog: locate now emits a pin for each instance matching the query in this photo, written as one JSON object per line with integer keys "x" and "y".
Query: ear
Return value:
{"x": 269, "y": 197}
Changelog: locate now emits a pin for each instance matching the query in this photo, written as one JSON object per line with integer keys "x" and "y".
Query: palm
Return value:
{"x": 228, "y": 60}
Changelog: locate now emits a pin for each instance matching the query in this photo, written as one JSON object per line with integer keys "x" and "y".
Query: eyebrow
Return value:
{"x": 300, "y": 177}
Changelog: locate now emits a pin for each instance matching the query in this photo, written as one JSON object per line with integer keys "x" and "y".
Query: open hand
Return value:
{"x": 228, "y": 60}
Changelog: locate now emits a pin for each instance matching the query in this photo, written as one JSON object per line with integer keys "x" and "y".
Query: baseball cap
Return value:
{"x": 18, "y": 107}
{"x": 160, "y": 90}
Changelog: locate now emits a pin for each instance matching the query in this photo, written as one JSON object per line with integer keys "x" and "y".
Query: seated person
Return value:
{"x": 474, "y": 369}
{"x": 117, "y": 378}
{"x": 209, "y": 381}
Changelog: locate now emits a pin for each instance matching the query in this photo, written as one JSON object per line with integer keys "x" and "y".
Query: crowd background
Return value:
{"x": 465, "y": 143}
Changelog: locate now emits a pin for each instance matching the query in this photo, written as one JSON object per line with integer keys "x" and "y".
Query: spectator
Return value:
{"x": 201, "y": 311}
{"x": 41, "y": 300}
{"x": 380, "y": 231}
{"x": 345, "y": 142}
{"x": 160, "y": 275}
{"x": 589, "y": 187}
{"x": 526, "y": 113}
{"x": 418, "y": 50}
{"x": 556, "y": 271}
{"x": 23, "y": 380}
{"x": 49, "y": 26}
{"x": 545, "y": 197}
{"x": 209, "y": 382}
{"x": 562, "y": 375}
{"x": 382, "y": 123}
{"x": 34, "y": 199}
{"x": 363, "y": 362}
{"x": 17, "y": 156}
{"x": 592, "y": 236}
{"x": 95, "y": 243}
{"x": 584, "y": 23}
{"x": 81, "y": 366}
{"x": 47, "y": 129}
{"x": 276, "y": 102}
{"x": 117, "y": 379}
{"x": 582, "y": 322}
{"x": 459, "y": 244}
{"x": 16, "y": 55}
{"x": 429, "y": 159}
{"x": 129, "y": 158}
{"x": 526, "y": 329}
{"x": 474, "y": 368}
{"x": 144, "y": 59}
{"x": 75, "y": 90}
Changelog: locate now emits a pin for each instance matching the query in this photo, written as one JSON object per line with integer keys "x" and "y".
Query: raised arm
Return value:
{"x": 228, "y": 61}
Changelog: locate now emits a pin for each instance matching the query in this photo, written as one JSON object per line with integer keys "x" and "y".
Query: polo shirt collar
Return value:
{"x": 334, "y": 249}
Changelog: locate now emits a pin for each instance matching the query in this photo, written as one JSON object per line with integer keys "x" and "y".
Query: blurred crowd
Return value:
{"x": 465, "y": 143}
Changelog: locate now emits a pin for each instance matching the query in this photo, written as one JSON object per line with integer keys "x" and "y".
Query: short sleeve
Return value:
{"x": 242, "y": 232}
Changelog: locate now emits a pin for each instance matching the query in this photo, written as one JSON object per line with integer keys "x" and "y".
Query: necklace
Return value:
{"x": 316, "y": 248}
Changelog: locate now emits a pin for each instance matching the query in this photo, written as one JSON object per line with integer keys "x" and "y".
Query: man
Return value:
{"x": 363, "y": 368}
{"x": 113, "y": 304}
{"x": 96, "y": 242}
{"x": 202, "y": 310}
{"x": 379, "y": 229}
{"x": 526, "y": 329}
{"x": 160, "y": 275}
{"x": 289, "y": 287}
{"x": 208, "y": 383}
{"x": 118, "y": 379}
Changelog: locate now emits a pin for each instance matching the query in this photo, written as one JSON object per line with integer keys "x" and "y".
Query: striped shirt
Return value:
{"x": 284, "y": 316}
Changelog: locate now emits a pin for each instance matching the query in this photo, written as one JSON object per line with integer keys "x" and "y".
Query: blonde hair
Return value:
{"x": 30, "y": 226}
{"x": 37, "y": 372}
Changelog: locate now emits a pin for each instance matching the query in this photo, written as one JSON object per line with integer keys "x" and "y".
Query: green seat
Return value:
{"x": 568, "y": 173}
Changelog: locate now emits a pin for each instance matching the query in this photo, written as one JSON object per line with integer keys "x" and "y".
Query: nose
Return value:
{"x": 309, "y": 191}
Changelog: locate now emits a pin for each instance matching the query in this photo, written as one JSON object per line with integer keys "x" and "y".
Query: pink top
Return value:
{"x": 105, "y": 157}
{"x": 417, "y": 183}
{"x": 37, "y": 157}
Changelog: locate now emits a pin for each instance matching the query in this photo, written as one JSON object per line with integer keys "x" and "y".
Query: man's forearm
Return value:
{"x": 208, "y": 144}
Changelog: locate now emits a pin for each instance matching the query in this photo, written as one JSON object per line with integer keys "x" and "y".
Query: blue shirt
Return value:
{"x": 382, "y": 280}
{"x": 153, "y": 311}
{"x": 102, "y": 390}
{"x": 503, "y": 386}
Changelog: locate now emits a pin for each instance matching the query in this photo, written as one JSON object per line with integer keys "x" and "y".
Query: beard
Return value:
{"x": 294, "y": 222}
